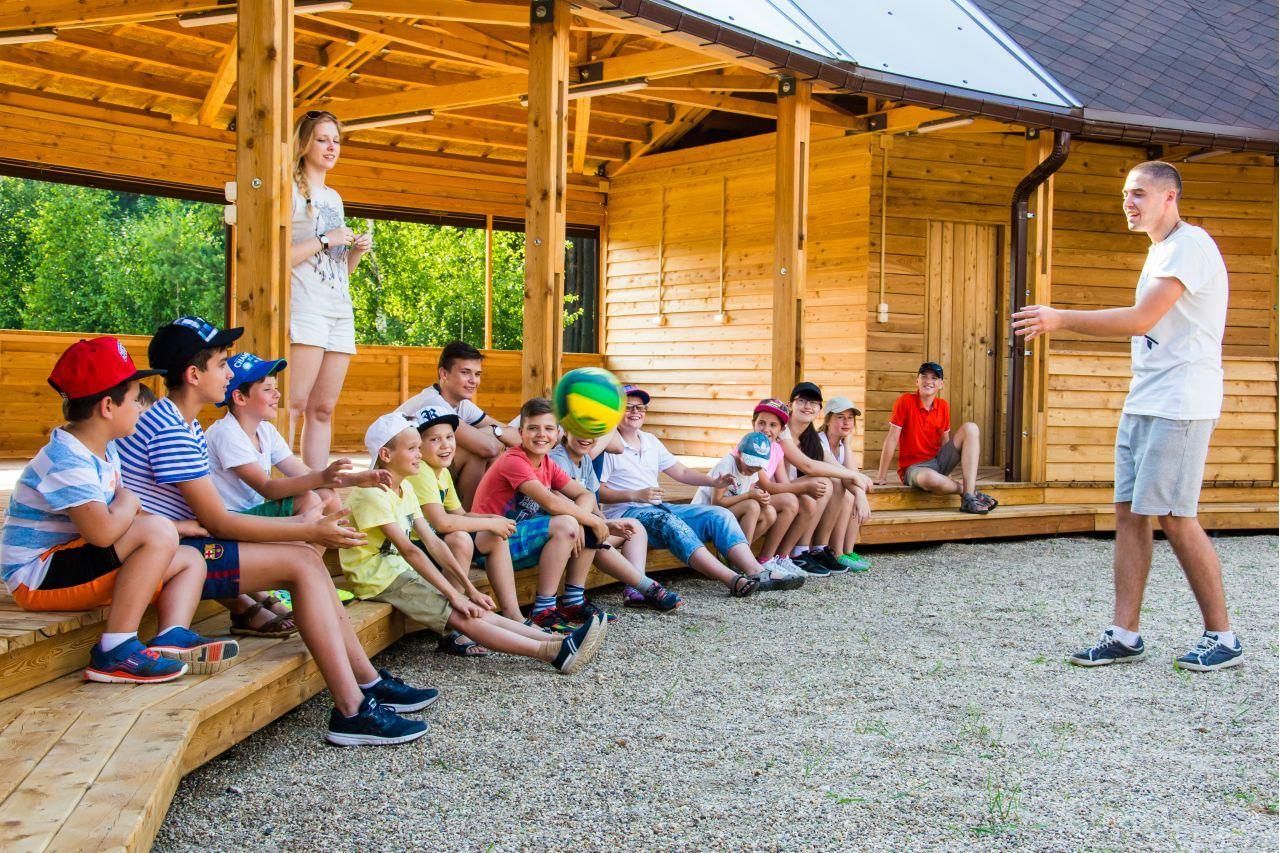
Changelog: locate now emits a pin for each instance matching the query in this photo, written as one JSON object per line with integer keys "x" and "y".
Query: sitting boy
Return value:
{"x": 389, "y": 567}
{"x": 74, "y": 539}
{"x": 166, "y": 461}
{"x": 630, "y": 489}
{"x": 628, "y": 542}
{"x": 920, "y": 433}
{"x": 550, "y": 509}
{"x": 742, "y": 496}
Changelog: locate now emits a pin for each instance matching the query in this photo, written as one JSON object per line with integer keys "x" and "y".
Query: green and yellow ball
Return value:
{"x": 589, "y": 402}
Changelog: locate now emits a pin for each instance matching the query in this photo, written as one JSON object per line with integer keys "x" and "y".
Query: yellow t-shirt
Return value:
{"x": 372, "y": 567}
{"x": 435, "y": 487}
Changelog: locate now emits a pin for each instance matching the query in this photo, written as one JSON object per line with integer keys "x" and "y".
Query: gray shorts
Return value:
{"x": 1160, "y": 464}
{"x": 944, "y": 463}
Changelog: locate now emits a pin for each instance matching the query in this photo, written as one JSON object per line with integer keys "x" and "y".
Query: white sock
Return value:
{"x": 170, "y": 628}
{"x": 646, "y": 583}
{"x": 799, "y": 549}
{"x": 371, "y": 683}
{"x": 1124, "y": 635}
{"x": 1227, "y": 638}
{"x": 110, "y": 641}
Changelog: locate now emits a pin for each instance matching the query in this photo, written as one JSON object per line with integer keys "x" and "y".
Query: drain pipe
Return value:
{"x": 1018, "y": 293}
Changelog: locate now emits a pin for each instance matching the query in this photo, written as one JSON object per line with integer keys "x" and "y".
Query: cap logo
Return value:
{"x": 124, "y": 354}
{"x": 243, "y": 361}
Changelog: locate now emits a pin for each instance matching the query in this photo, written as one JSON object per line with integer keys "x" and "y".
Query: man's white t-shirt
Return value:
{"x": 320, "y": 284}
{"x": 430, "y": 397}
{"x": 636, "y": 467}
{"x": 1177, "y": 366}
{"x": 741, "y": 484}
{"x": 230, "y": 447}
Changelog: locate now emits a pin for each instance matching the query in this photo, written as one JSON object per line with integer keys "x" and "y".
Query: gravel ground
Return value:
{"x": 923, "y": 705}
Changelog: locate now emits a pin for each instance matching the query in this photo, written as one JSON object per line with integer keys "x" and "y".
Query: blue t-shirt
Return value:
{"x": 63, "y": 475}
{"x": 163, "y": 451}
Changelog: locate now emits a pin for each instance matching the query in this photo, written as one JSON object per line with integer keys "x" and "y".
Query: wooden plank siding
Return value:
{"x": 1096, "y": 261}
{"x": 380, "y": 378}
{"x": 1087, "y": 389}
{"x": 689, "y": 276}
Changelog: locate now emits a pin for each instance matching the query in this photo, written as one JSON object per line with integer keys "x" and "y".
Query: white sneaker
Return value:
{"x": 788, "y": 567}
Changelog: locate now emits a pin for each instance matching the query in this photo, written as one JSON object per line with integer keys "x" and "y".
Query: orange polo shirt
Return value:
{"x": 922, "y": 429}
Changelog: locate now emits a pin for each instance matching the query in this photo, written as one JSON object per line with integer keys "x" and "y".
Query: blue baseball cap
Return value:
{"x": 754, "y": 449}
{"x": 247, "y": 367}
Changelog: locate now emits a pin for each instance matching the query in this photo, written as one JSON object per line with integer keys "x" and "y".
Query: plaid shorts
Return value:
{"x": 527, "y": 542}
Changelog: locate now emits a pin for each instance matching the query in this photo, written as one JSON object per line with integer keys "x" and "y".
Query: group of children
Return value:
{"x": 130, "y": 505}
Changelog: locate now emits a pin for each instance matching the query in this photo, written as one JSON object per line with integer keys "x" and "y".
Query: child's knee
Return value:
{"x": 308, "y": 501}
{"x": 563, "y": 527}
{"x": 460, "y": 544}
{"x": 156, "y": 531}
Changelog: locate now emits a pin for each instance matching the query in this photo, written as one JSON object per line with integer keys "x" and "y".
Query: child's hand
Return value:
{"x": 817, "y": 486}
{"x": 600, "y": 528}
{"x": 649, "y": 496}
{"x": 861, "y": 507}
{"x": 724, "y": 481}
{"x": 189, "y": 527}
{"x": 467, "y": 608}
{"x": 333, "y": 475}
{"x": 483, "y": 600}
{"x": 125, "y": 502}
{"x": 617, "y": 528}
{"x": 760, "y": 496}
{"x": 377, "y": 478}
{"x": 334, "y": 531}
{"x": 503, "y": 527}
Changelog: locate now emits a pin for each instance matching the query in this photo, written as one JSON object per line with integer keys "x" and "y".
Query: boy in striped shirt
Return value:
{"x": 167, "y": 462}
{"x": 74, "y": 538}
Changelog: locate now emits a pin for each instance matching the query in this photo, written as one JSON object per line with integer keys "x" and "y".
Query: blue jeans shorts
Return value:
{"x": 684, "y": 528}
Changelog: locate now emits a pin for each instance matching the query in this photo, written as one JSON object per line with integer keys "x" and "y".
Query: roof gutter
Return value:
{"x": 848, "y": 77}
{"x": 1018, "y": 293}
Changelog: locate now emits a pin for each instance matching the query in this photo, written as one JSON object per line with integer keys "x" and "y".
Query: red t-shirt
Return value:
{"x": 499, "y": 489}
{"x": 922, "y": 429}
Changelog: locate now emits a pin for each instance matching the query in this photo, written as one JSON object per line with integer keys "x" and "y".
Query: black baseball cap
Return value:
{"x": 930, "y": 367}
{"x": 175, "y": 344}
{"x": 806, "y": 391}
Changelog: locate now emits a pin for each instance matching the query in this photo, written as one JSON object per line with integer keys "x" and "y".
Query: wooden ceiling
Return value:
{"x": 465, "y": 62}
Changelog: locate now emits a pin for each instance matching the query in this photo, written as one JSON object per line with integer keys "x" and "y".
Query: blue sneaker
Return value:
{"x": 1109, "y": 650}
{"x": 581, "y": 646}
{"x": 1210, "y": 654}
{"x": 393, "y": 693}
{"x": 201, "y": 654}
{"x": 373, "y": 725}
{"x": 131, "y": 663}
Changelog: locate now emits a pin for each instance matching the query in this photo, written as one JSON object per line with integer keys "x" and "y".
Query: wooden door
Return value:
{"x": 961, "y": 293}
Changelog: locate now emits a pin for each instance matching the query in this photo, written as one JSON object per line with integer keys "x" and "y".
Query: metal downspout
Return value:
{"x": 1018, "y": 293}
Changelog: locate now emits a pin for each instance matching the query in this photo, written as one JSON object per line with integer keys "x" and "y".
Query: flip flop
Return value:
{"x": 454, "y": 643}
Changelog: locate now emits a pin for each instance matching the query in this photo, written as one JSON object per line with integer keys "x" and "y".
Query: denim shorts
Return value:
{"x": 684, "y": 528}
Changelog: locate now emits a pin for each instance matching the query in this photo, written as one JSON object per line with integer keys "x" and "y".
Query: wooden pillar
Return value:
{"x": 791, "y": 205}
{"x": 264, "y": 127}
{"x": 488, "y": 281}
{"x": 1039, "y": 281}
{"x": 545, "y": 195}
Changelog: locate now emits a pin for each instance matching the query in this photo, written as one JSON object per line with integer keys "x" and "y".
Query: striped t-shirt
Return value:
{"x": 63, "y": 475}
{"x": 164, "y": 450}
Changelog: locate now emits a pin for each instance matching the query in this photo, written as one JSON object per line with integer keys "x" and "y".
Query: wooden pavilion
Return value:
{"x": 765, "y": 212}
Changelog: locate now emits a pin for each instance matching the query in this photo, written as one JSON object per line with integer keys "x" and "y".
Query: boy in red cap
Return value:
{"x": 75, "y": 540}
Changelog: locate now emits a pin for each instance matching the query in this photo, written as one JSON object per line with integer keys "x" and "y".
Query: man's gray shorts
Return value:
{"x": 1160, "y": 464}
{"x": 944, "y": 463}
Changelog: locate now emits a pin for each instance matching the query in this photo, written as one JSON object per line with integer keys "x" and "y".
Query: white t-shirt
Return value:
{"x": 837, "y": 454}
{"x": 740, "y": 485}
{"x": 320, "y": 285}
{"x": 230, "y": 447}
{"x": 466, "y": 410}
{"x": 1177, "y": 366}
{"x": 636, "y": 467}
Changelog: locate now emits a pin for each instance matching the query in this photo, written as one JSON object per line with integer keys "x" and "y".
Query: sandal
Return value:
{"x": 454, "y": 643}
{"x": 242, "y": 622}
{"x": 743, "y": 586}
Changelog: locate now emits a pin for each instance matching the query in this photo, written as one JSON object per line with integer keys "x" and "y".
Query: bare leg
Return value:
{"x": 741, "y": 558}
{"x": 304, "y": 367}
{"x": 635, "y": 549}
{"x": 183, "y": 582}
{"x": 706, "y": 565}
{"x": 1200, "y": 564}
{"x": 317, "y": 433}
{"x": 787, "y": 506}
{"x": 748, "y": 515}
{"x": 840, "y": 529}
{"x": 580, "y": 566}
{"x": 502, "y": 578}
{"x": 853, "y": 528}
{"x": 768, "y": 517}
{"x": 617, "y": 566}
{"x": 498, "y": 633}
{"x": 1132, "y": 564}
{"x": 146, "y": 551}
{"x": 938, "y": 484}
{"x": 827, "y": 521}
{"x": 967, "y": 442}
{"x": 556, "y": 553}
{"x": 801, "y": 532}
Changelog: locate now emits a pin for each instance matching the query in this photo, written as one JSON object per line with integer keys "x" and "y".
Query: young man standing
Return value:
{"x": 480, "y": 438}
{"x": 1175, "y": 398}
{"x": 920, "y": 432}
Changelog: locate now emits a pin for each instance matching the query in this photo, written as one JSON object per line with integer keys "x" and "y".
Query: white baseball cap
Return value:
{"x": 382, "y": 431}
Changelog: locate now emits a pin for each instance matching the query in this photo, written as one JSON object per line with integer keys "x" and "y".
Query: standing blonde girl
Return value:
{"x": 324, "y": 255}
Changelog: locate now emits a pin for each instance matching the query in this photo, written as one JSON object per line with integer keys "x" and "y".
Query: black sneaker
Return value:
{"x": 580, "y": 647}
{"x": 811, "y": 565}
{"x": 829, "y": 559}
{"x": 1109, "y": 650}
{"x": 393, "y": 693}
{"x": 372, "y": 725}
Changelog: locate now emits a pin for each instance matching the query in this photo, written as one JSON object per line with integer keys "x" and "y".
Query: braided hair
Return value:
{"x": 303, "y": 135}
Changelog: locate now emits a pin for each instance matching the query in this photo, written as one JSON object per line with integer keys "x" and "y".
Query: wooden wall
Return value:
{"x": 1096, "y": 260}
{"x": 688, "y": 283}
{"x": 1087, "y": 389}
{"x": 380, "y": 379}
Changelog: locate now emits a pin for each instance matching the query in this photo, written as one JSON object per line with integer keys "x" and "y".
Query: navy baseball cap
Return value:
{"x": 430, "y": 416}
{"x": 930, "y": 367}
{"x": 806, "y": 391}
{"x": 175, "y": 344}
{"x": 247, "y": 367}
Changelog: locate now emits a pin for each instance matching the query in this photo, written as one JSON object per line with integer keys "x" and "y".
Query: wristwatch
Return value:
{"x": 497, "y": 432}
{"x": 324, "y": 241}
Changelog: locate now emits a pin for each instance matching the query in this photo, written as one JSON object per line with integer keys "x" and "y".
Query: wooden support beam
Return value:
{"x": 548, "y": 84}
{"x": 24, "y": 14}
{"x": 461, "y": 11}
{"x": 582, "y": 111}
{"x": 264, "y": 194}
{"x": 443, "y": 44}
{"x": 790, "y": 206}
{"x": 488, "y": 281}
{"x": 220, "y": 87}
{"x": 685, "y": 120}
{"x": 1035, "y": 391}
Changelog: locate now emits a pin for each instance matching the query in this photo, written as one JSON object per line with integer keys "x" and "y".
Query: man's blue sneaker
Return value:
{"x": 131, "y": 663}
{"x": 1109, "y": 650}
{"x": 393, "y": 693}
{"x": 373, "y": 725}
{"x": 1210, "y": 654}
{"x": 201, "y": 654}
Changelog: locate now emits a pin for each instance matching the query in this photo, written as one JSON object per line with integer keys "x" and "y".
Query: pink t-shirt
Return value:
{"x": 499, "y": 490}
{"x": 775, "y": 458}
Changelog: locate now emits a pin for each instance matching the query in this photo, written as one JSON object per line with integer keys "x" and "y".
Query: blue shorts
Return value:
{"x": 684, "y": 528}
{"x": 527, "y": 542}
{"x": 222, "y": 566}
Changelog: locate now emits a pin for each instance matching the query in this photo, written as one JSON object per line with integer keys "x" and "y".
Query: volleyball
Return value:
{"x": 589, "y": 402}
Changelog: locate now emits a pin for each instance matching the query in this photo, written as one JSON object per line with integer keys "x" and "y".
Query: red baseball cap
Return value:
{"x": 90, "y": 367}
